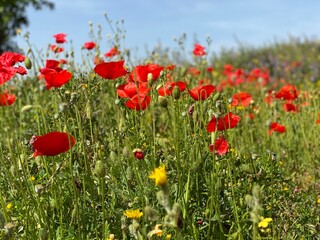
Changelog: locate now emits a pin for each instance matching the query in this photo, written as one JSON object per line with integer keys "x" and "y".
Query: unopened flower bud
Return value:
{"x": 216, "y": 97}
{"x": 100, "y": 169}
{"x": 150, "y": 79}
{"x": 27, "y": 63}
{"x": 26, "y": 108}
{"x": 163, "y": 101}
{"x": 176, "y": 93}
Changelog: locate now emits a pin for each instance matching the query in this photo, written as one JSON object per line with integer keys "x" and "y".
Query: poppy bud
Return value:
{"x": 88, "y": 110}
{"x": 26, "y": 108}
{"x": 150, "y": 79}
{"x": 27, "y": 63}
{"x": 163, "y": 101}
{"x": 138, "y": 153}
{"x": 100, "y": 169}
{"x": 176, "y": 92}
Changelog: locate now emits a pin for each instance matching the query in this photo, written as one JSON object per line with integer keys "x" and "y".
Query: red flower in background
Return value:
{"x": 7, "y": 99}
{"x": 63, "y": 61}
{"x": 210, "y": 69}
{"x": 269, "y": 97}
{"x": 138, "y": 102}
{"x": 89, "y": 45}
{"x": 112, "y": 52}
{"x": 228, "y": 68}
{"x": 289, "y": 107}
{"x": 242, "y": 99}
{"x": 111, "y": 70}
{"x": 8, "y": 60}
{"x": 140, "y": 73}
{"x": 170, "y": 67}
{"x": 287, "y": 92}
{"x": 220, "y": 146}
{"x": 199, "y": 50}
{"x": 52, "y": 144}
{"x": 130, "y": 89}
{"x": 229, "y": 121}
{"x": 202, "y": 92}
{"x": 276, "y": 127}
{"x": 56, "y": 49}
{"x": 57, "y": 79}
{"x": 60, "y": 37}
{"x": 168, "y": 88}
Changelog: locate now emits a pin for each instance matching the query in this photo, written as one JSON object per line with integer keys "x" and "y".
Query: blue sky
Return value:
{"x": 149, "y": 22}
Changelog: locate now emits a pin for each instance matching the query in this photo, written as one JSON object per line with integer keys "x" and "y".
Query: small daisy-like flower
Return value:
{"x": 159, "y": 175}
{"x": 133, "y": 214}
{"x": 264, "y": 222}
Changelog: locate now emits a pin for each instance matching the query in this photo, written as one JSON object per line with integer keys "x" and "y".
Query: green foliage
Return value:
{"x": 84, "y": 193}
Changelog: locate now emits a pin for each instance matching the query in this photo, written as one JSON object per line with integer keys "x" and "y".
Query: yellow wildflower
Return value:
{"x": 159, "y": 175}
{"x": 264, "y": 222}
{"x": 156, "y": 231}
{"x": 168, "y": 236}
{"x": 9, "y": 206}
{"x": 133, "y": 214}
{"x": 318, "y": 201}
{"x": 32, "y": 178}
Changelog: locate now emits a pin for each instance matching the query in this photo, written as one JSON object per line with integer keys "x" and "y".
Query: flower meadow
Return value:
{"x": 166, "y": 147}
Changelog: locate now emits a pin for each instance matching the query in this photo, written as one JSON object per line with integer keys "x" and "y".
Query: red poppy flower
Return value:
{"x": 168, "y": 88}
{"x": 130, "y": 89}
{"x": 52, "y": 144}
{"x": 228, "y": 68}
{"x": 57, "y": 79}
{"x": 63, "y": 61}
{"x": 112, "y": 52}
{"x": 276, "y": 127}
{"x": 140, "y": 73}
{"x": 8, "y": 60}
{"x": 210, "y": 69}
{"x": 111, "y": 70}
{"x": 51, "y": 66}
{"x": 7, "y": 99}
{"x": 60, "y": 37}
{"x": 289, "y": 107}
{"x": 56, "y": 49}
{"x": 229, "y": 121}
{"x": 287, "y": 92}
{"x": 220, "y": 147}
{"x": 242, "y": 99}
{"x": 170, "y": 67}
{"x": 138, "y": 102}
{"x": 89, "y": 45}
{"x": 202, "y": 92}
{"x": 199, "y": 50}
{"x": 269, "y": 97}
